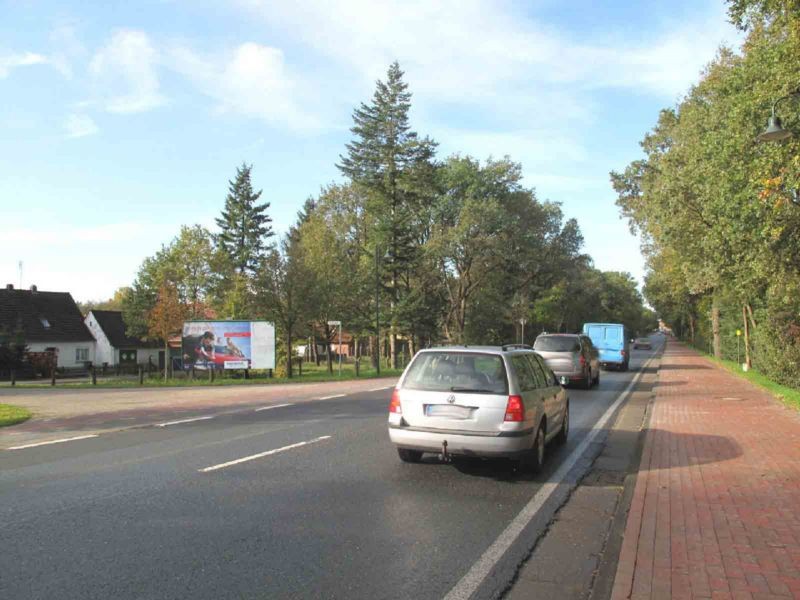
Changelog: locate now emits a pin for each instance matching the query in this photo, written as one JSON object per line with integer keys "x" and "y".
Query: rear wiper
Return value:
{"x": 473, "y": 390}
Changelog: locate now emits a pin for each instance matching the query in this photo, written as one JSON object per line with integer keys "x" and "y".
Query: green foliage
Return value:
{"x": 714, "y": 206}
{"x": 245, "y": 226}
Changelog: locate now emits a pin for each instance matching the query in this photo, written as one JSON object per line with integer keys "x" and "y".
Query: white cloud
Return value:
{"x": 67, "y": 48}
{"x": 80, "y": 126}
{"x": 252, "y": 80}
{"x": 8, "y": 62}
{"x": 125, "y": 73}
{"x": 468, "y": 50}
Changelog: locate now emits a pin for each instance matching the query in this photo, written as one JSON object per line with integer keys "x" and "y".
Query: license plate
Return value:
{"x": 447, "y": 410}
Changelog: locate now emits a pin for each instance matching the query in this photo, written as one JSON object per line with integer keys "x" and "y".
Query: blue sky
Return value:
{"x": 121, "y": 121}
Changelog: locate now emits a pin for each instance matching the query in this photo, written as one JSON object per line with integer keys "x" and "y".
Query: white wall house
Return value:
{"x": 48, "y": 322}
{"x": 114, "y": 346}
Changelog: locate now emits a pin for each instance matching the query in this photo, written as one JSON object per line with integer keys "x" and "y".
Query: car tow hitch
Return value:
{"x": 444, "y": 455}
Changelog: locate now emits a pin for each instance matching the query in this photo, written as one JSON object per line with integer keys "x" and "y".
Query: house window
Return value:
{"x": 45, "y": 323}
{"x": 81, "y": 354}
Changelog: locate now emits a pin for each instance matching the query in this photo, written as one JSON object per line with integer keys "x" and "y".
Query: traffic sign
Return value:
{"x": 334, "y": 323}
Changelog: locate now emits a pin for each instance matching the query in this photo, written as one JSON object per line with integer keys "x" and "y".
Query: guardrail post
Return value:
{"x": 358, "y": 360}
{"x": 247, "y": 373}
{"x": 211, "y": 375}
{"x": 191, "y": 373}
{"x": 13, "y": 377}
{"x": 94, "y": 375}
{"x": 270, "y": 373}
{"x": 141, "y": 375}
{"x": 300, "y": 366}
{"x": 52, "y": 375}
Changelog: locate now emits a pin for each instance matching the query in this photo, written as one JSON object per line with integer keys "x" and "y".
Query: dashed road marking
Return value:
{"x": 273, "y": 406}
{"x": 61, "y": 441}
{"x": 181, "y": 421}
{"x": 262, "y": 454}
{"x": 330, "y": 397}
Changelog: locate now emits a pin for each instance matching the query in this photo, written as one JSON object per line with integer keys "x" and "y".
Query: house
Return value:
{"x": 48, "y": 322}
{"x": 115, "y": 346}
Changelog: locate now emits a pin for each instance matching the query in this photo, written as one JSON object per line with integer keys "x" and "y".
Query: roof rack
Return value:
{"x": 516, "y": 347}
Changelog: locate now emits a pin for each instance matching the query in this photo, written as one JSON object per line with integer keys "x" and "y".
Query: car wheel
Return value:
{"x": 597, "y": 378}
{"x": 534, "y": 459}
{"x": 561, "y": 438}
{"x": 586, "y": 384}
{"x": 409, "y": 456}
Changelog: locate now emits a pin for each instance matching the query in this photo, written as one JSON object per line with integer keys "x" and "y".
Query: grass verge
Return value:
{"x": 789, "y": 396}
{"x": 11, "y": 415}
{"x": 311, "y": 374}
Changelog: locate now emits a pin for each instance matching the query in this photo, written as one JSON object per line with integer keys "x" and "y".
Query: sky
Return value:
{"x": 122, "y": 121}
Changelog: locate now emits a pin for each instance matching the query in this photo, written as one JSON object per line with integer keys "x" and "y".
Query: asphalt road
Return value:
{"x": 158, "y": 513}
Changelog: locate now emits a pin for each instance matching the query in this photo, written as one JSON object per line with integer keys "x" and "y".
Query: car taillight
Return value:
{"x": 515, "y": 409}
{"x": 622, "y": 352}
{"x": 394, "y": 404}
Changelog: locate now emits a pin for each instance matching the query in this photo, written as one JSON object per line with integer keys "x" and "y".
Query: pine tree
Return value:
{"x": 385, "y": 159}
{"x": 245, "y": 226}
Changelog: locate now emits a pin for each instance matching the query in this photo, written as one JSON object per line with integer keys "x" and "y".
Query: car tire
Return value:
{"x": 597, "y": 377}
{"x": 533, "y": 460}
{"x": 563, "y": 433}
{"x": 409, "y": 456}
{"x": 586, "y": 384}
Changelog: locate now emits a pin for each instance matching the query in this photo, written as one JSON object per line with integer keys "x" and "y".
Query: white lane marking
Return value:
{"x": 272, "y": 406}
{"x": 334, "y": 396}
{"x": 478, "y": 572}
{"x": 168, "y": 423}
{"x": 386, "y": 387}
{"x": 262, "y": 454}
{"x": 61, "y": 441}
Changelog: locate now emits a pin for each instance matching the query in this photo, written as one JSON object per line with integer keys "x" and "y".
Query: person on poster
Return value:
{"x": 206, "y": 349}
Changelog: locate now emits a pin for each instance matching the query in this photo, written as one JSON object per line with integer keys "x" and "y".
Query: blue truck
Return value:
{"x": 612, "y": 342}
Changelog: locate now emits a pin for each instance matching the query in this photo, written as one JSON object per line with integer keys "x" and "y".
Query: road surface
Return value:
{"x": 305, "y": 500}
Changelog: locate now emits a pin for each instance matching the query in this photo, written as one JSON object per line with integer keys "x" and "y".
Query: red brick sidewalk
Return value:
{"x": 716, "y": 508}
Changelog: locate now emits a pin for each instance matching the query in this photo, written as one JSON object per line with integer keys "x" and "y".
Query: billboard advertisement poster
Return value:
{"x": 228, "y": 345}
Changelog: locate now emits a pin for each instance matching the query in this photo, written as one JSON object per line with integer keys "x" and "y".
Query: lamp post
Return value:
{"x": 776, "y": 133}
{"x": 522, "y": 322}
{"x": 377, "y": 314}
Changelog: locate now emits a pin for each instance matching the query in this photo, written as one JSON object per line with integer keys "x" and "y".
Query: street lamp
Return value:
{"x": 775, "y": 131}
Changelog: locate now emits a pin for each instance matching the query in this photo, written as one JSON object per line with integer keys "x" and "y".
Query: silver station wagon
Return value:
{"x": 485, "y": 401}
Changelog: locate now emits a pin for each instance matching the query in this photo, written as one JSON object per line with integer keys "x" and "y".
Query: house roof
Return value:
{"x": 43, "y": 316}
{"x": 113, "y": 326}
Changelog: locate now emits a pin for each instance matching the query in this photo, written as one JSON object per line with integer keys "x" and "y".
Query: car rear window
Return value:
{"x": 557, "y": 343}
{"x": 457, "y": 372}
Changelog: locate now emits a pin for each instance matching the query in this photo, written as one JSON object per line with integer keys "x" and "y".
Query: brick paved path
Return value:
{"x": 716, "y": 508}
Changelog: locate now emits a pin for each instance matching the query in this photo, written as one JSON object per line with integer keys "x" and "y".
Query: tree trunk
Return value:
{"x": 166, "y": 358}
{"x": 717, "y": 340}
{"x": 393, "y": 348}
{"x": 747, "y": 358}
{"x": 328, "y": 348}
{"x": 691, "y": 328}
{"x": 289, "y": 352}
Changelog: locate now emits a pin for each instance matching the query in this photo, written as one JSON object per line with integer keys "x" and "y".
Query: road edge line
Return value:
{"x": 480, "y": 570}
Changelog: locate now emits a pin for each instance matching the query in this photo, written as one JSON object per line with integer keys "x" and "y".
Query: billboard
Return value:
{"x": 228, "y": 345}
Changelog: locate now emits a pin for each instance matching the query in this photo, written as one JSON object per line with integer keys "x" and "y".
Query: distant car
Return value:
{"x": 570, "y": 356}
{"x": 612, "y": 342}
{"x": 642, "y": 342}
{"x": 485, "y": 401}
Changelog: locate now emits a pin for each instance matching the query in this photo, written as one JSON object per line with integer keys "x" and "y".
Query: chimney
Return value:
{"x": 34, "y": 289}
{"x": 9, "y": 286}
